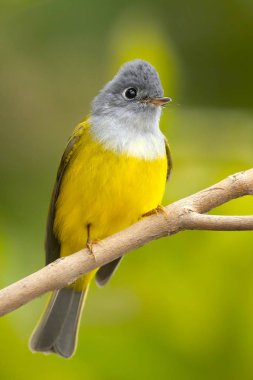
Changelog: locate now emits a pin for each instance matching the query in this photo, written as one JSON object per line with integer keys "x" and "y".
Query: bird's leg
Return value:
{"x": 89, "y": 243}
{"x": 158, "y": 210}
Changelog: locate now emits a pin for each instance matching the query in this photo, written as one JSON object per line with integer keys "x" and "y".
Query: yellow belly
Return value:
{"x": 107, "y": 191}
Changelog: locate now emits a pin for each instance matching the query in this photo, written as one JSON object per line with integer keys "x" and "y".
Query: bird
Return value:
{"x": 112, "y": 173}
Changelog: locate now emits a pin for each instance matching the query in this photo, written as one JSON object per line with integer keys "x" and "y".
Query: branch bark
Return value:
{"x": 185, "y": 214}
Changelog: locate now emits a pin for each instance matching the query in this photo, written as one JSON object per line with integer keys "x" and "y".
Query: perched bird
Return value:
{"x": 113, "y": 172}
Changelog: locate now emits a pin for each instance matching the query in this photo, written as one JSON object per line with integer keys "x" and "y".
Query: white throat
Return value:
{"x": 130, "y": 134}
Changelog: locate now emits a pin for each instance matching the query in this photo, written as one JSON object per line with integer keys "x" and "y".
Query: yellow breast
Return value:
{"x": 109, "y": 191}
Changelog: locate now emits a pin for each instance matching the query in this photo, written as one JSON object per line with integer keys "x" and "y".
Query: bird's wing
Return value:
{"x": 169, "y": 159}
{"x": 52, "y": 244}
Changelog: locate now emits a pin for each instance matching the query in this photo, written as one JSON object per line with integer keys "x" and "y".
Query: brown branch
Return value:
{"x": 186, "y": 214}
{"x": 198, "y": 221}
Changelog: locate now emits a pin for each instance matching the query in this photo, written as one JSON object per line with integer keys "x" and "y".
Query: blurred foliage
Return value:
{"x": 188, "y": 314}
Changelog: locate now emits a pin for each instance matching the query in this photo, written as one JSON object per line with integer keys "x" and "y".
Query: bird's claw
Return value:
{"x": 89, "y": 245}
{"x": 156, "y": 211}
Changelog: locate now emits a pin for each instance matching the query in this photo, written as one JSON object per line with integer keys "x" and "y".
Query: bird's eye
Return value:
{"x": 130, "y": 93}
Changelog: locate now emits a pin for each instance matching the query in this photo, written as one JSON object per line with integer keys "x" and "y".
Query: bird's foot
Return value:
{"x": 90, "y": 245}
{"x": 156, "y": 211}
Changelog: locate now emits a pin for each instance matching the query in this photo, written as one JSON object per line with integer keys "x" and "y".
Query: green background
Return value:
{"x": 179, "y": 308}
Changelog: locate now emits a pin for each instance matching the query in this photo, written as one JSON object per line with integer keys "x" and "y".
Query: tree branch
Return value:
{"x": 198, "y": 221}
{"x": 185, "y": 214}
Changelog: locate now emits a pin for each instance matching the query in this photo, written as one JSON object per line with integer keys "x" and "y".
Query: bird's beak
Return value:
{"x": 159, "y": 101}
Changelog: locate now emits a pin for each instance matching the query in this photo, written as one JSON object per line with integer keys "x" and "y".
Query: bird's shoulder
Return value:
{"x": 52, "y": 245}
{"x": 73, "y": 143}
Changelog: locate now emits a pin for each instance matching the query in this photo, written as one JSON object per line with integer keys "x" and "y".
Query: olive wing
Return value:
{"x": 52, "y": 244}
{"x": 169, "y": 159}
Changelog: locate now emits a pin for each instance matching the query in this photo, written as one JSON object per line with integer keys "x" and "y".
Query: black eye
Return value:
{"x": 130, "y": 93}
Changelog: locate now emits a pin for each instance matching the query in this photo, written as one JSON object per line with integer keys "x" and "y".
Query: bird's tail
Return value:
{"x": 57, "y": 330}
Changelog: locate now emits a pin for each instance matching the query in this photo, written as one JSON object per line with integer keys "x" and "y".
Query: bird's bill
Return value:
{"x": 159, "y": 101}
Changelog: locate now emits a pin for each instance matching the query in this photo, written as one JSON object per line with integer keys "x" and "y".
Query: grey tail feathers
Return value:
{"x": 57, "y": 330}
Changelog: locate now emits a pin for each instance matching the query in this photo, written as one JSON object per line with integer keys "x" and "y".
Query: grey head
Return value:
{"x": 135, "y": 89}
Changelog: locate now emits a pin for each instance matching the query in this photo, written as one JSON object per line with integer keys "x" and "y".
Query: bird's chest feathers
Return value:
{"x": 107, "y": 189}
{"x": 118, "y": 189}
{"x": 105, "y": 175}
